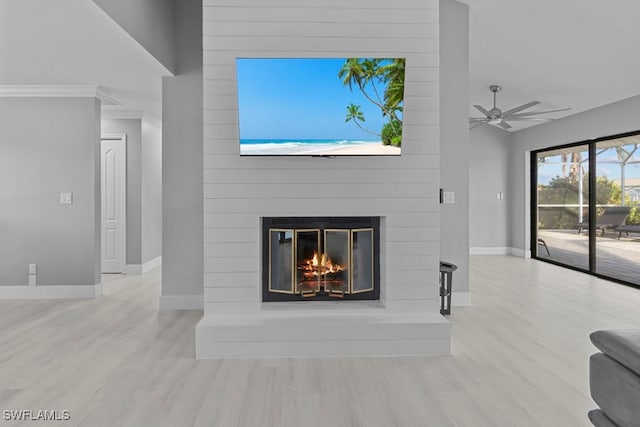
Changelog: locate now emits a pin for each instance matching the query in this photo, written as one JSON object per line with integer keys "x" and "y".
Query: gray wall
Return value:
{"x": 182, "y": 244}
{"x": 133, "y": 129}
{"x": 454, "y": 137}
{"x": 49, "y": 146}
{"x": 619, "y": 117}
{"x": 488, "y": 175}
{"x": 149, "y": 22}
{"x": 151, "y": 183}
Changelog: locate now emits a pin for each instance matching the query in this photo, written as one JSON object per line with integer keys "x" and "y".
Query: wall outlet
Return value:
{"x": 32, "y": 280}
{"x": 66, "y": 198}
{"x": 32, "y": 269}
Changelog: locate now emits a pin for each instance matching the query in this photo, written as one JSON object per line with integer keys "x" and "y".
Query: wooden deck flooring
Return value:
{"x": 619, "y": 259}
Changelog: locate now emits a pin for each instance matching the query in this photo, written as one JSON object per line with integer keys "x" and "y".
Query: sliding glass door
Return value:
{"x": 617, "y": 246}
{"x": 562, "y": 191}
{"x": 586, "y": 207}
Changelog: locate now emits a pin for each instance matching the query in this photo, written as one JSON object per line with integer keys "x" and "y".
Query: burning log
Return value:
{"x": 319, "y": 267}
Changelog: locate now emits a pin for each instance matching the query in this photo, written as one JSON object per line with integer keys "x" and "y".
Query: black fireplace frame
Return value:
{"x": 340, "y": 222}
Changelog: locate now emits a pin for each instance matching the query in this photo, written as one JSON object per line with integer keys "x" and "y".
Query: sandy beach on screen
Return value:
{"x": 373, "y": 148}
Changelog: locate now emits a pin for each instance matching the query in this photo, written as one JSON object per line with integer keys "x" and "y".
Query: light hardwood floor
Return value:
{"x": 519, "y": 358}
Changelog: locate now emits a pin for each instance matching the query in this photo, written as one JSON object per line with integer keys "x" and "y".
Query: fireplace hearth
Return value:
{"x": 320, "y": 258}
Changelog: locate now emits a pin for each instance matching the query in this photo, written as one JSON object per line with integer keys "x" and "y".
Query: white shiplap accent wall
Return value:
{"x": 238, "y": 191}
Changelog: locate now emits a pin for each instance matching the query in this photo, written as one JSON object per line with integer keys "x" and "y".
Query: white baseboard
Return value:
{"x": 137, "y": 269}
{"x": 499, "y": 250}
{"x": 520, "y": 253}
{"x": 181, "y": 302}
{"x": 151, "y": 264}
{"x": 490, "y": 250}
{"x": 461, "y": 299}
{"x": 133, "y": 269}
{"x": 50, "y": 292}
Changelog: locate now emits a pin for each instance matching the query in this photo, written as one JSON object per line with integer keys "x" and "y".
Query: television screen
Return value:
{"x": 320, "y": 106}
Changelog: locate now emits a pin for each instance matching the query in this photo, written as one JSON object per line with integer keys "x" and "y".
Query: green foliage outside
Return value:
{"x": 634, "y": 216}
{"x": 564, "y": 191}
{"x": 370, "y": 75}
{"x": 392, "y": 132}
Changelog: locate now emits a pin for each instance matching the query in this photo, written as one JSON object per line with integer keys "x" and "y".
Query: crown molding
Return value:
{"x": 59, "y": 91}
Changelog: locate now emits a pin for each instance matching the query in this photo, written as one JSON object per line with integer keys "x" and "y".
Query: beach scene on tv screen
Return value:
{"x": 320, "y": 106}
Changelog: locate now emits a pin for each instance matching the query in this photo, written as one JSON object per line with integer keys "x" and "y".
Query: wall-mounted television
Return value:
{"x": 320, "y": 106}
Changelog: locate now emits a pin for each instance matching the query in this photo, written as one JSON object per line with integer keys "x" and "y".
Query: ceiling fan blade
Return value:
{"x": 528, "y": 119}
{"x": 520, "y": 108}
{"x": 477, "y": 119}
{"x": 504, "y": 125}
{"x": 535, "y": 113}
{"x": 477, "y": 124}
{"x": 482, "y": 110}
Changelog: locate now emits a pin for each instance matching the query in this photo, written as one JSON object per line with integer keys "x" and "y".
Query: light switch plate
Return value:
{"x": 32, "y": 280}
{"x": 66, "y": 198}
{"x": 448, "y": 197}
{"x": 32, "y": 269}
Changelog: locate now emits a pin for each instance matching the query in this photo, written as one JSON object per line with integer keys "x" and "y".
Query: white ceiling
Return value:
{"x": 73, "y": 42}
{"x": 571, "y": 53}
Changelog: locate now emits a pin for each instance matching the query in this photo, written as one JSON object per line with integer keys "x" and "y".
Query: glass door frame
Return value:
{"x": 592, "y": 200}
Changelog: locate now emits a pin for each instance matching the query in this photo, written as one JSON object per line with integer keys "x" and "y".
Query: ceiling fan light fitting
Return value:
{"x": 495, "y": 116}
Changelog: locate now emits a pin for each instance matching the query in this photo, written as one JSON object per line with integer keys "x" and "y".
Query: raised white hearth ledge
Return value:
{"x": 322, "y": 333}
{"x": 50, "y": 292}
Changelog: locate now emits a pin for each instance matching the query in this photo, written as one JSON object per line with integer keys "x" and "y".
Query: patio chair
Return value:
{"x": 544, "y": 245}
{"x": 611, "y": 218}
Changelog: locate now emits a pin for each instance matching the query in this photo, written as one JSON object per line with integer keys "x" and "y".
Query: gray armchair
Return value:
{"x": 614, "y": 378}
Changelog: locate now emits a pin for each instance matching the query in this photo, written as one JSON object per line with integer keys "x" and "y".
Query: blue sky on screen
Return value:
{"x": 299, "y": 99}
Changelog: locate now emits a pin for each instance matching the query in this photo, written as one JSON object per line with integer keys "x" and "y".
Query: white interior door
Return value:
{"x": 113, "y": 151}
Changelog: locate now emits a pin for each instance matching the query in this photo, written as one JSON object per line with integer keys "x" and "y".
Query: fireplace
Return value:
{"x": 320, "y": 258}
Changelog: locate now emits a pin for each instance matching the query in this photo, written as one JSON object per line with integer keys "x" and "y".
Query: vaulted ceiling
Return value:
{"x": 73, "y": 42}
{"x": 572, "y": 53}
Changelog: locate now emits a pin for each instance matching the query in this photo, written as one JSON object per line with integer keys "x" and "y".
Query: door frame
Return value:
{"x": 591, "y": 145}
{"x": 122, "y": 137}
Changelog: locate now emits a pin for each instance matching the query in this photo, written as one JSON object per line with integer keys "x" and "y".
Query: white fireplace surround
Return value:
{"x": 324, "y": 328}
{"x": 401, "y": 190}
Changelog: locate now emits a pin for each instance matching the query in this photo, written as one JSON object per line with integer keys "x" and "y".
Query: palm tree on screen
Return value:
{"x": 355, "y": 114}
{"x": 370, "y": 76}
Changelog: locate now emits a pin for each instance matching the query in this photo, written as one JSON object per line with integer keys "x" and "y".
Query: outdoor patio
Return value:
{"x": 619, "y": 259}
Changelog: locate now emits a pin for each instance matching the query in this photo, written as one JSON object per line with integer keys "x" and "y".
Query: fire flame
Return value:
{"x": 315, "y": 267}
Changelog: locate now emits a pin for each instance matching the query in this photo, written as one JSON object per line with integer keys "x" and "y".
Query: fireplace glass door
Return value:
{"x": 322, "y": 263}
{"x": 336, "y": 261}
{"x": 281, "y": 261}
{"x": 308, "y": 262}
{"x": 362, "y": 249}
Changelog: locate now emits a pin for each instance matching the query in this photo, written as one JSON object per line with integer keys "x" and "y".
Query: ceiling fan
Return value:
{"x": 496, "y": 116}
